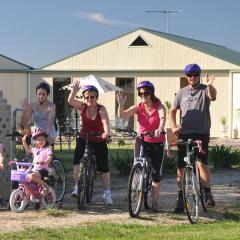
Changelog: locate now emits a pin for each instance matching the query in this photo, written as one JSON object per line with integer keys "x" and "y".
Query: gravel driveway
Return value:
{"x": 226, "y": 189}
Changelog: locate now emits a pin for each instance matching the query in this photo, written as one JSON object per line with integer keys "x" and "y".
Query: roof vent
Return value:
{"x": 139, "y": 42}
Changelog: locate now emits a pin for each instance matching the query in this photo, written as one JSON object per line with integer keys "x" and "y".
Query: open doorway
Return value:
{"x": 183, "y": 82}
{"x": 60, "y": 96}
{"x": 127, "y": 84}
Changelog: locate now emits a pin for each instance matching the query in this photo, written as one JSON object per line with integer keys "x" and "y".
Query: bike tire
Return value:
{"x": 135, "y": 190}
{"x": 90, "y": 182}
{"x": 81, "y": 187}
{"x": 190, "y": 197}
{"x": 18, "y": 201}
{"x": 147, "y": 196}
{"x": 59, "y": 184}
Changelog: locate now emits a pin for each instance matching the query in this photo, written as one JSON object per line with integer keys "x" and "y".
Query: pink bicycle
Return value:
{"x": 29, "y": 191}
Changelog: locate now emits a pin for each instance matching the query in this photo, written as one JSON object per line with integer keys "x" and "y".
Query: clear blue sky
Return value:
{"x": 39, "y": 32}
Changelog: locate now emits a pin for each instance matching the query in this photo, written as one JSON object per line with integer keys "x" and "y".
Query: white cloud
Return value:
{"x": 100, "y": 18}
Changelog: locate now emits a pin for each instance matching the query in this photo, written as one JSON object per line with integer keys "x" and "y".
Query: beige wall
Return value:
{"x": 166, "y": 84}
{"x": 14, "y": 88}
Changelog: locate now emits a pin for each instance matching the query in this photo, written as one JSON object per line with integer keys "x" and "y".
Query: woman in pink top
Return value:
{"x": 151, "y": 117}
{"x": 42, "y": 156}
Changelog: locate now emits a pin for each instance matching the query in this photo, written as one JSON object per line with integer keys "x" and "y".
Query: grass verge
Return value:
{"x": 223, "y": 230}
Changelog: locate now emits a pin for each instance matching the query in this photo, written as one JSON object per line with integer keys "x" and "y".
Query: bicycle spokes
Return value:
{"x": 190, "y": 195}
{"x": 135, "y": 190}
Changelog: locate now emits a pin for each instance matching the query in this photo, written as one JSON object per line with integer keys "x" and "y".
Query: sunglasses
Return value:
{"x": 90, "y": 97}
{"x": 192, "y": 74}
{"x": 145, "y": 94}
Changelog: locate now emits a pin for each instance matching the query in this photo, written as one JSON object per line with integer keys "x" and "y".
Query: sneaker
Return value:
{"x": 209, "y": 200}
{"x": 75, "y": 191}
{"x": 44, "y": 191}
{"x": 107, "y": 198}
{"x": 179, "y": 204}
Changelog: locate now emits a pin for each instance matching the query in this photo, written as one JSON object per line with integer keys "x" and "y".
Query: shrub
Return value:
{"x": 169, "y": 165}
{"x": 122, "y": 158}
{"x": 223, "y": 157}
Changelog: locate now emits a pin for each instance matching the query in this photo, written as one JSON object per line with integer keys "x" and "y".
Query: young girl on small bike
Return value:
{"x": 42, "y": 156}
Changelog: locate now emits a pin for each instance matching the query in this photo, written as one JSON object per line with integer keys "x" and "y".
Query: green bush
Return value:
{"x": 169, "y": 165}
{"x": 122, "y": 158}
{"x": 223, "y": 157}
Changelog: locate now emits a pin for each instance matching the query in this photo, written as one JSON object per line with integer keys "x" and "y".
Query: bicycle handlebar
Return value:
{"x": 23, "y": 164}
{"x": 197, "y": 144}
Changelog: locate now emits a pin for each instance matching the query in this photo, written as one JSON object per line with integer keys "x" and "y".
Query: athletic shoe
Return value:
{"x": 209, "y": 200}
{"x": 107, "y": 198}
{"x": 179, "y": 204}
{"x": 75, "y": 191}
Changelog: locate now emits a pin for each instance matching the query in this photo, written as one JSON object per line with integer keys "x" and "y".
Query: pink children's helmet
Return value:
{"x": 38, "y": 132}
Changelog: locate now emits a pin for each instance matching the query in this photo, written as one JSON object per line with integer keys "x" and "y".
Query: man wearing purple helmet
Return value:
{"x": 94, "y": 119}
{"x": 151, "y": 115}
{"x": 194, "y": 101}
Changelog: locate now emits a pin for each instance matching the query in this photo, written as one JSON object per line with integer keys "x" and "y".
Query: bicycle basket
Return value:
{"x": 18, "y": 175}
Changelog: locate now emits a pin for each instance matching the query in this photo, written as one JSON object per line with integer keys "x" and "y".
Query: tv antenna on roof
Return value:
{"x": 166, "y": 13}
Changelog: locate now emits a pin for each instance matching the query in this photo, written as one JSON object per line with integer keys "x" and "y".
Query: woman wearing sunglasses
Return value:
{"x": 94, "y": 119}
{"x": 151, "y": 117}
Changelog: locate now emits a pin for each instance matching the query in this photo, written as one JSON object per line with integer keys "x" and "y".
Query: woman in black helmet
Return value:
{"x": 42, "y": 111}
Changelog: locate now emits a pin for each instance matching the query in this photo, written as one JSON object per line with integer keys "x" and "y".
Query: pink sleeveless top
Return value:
{"x": 149, "y": 122}
{"x": 89, "y": 125}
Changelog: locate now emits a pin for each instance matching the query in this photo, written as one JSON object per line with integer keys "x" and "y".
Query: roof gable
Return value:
{"x": 118, "y": 54}
{"x": 7, "y": 63}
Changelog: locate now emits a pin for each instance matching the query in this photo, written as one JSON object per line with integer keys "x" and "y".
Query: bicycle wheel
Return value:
{"x": 190, "y": 196}
{"x": 59, "y": 183}
{"x": 49, "y": 200}
{"x": 18, "y": 201}
{"x": 90, "y": 181}
{"x": 81, "y": 187}
{"x": 147, "y": 196}
{"x": 135, "y": 190}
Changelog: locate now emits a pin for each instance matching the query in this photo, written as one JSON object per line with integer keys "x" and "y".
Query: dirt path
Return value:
{"x": 226, "y": 189}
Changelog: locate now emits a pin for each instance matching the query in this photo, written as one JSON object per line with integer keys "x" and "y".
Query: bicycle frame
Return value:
{"x": 190, "y": 160}
{"x": 191, "y": 185}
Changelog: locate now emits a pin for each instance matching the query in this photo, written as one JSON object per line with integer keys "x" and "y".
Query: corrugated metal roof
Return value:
{"x": 25, "y": 67}
{"x": 215, "y": 50}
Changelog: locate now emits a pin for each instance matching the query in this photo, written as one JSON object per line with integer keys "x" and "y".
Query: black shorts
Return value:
{"x": 43, "y": 172}
{"x": 100, "y": 150}
{"x": 155, "y": 151}
{"x": 182, "y": 149}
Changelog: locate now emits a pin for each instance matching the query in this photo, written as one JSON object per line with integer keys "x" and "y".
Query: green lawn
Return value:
{"x": 222, "y": 230}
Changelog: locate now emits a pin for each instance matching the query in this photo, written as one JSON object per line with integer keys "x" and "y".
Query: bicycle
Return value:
{"x": 191, "y": 186}
{"x": 87, "y": 174}
{"x": 29, "y": 191}
{"x": 57, "y": 172}
{"x": 140, "y": 180}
